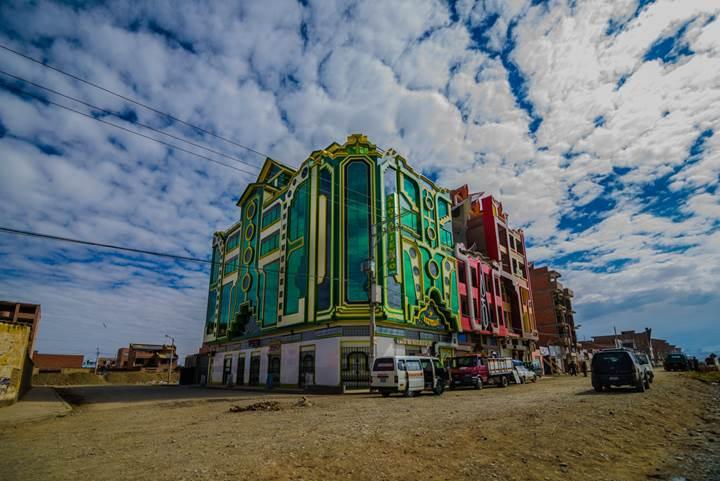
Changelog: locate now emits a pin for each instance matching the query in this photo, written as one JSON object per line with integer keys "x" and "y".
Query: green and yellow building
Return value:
{"x": 289, "y": 296}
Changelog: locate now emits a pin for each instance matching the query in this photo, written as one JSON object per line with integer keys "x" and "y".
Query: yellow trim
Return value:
{"x": 322, "y": 239}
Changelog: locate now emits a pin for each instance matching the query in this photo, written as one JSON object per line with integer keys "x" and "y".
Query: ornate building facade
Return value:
{"x": 497, "y": 309}
{"x": 289, "y": 296}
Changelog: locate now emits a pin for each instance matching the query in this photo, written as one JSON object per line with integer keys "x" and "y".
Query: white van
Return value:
{"x": 408, "y": 375}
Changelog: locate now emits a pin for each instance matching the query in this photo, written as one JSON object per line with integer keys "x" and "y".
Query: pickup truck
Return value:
{"x": 476, "y": 370}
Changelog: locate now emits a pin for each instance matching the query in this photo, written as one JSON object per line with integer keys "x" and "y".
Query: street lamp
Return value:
{"x": 172, "y": 355}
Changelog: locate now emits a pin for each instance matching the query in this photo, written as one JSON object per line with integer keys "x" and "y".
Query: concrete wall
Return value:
{"x": 13, "y": 361}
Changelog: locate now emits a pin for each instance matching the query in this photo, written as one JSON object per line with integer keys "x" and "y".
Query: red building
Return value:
{"x": 57, "y": 362}
{"x": 496, "y": 304}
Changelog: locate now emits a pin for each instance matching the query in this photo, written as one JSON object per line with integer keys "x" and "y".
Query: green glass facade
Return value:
{"x": 302, "y": 238}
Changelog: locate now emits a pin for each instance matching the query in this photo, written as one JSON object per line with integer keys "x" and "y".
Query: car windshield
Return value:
{"x": 676, "y": 357}
{"x": 384, "y": 364}
{"x": 612, "y": 361}
{"x": 467, "y": 361}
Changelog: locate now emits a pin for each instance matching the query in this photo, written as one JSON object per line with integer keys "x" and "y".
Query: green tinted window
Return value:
{"x": 357, "y": 229}
{"x": 446, "y": 236}
{"x": 269, "y": 244}
{"x": 231, "y": 265}
{"x": 298, "y": 213}
{"x": 270, "y": 297}
{"x": 296, "y": 280}
{"x": 271, "y": 216}
{"x": 443, "y": 208}
{"x": 211, "y": 311}
{"x": 225, "y": 300}
{"x": 215, "y": 271}
{"x": 232, "y": 242}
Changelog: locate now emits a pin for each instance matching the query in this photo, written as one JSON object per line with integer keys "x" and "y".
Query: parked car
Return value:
{"x": 476, "y": 370}
{"x": 617, "y": 367}
{"x": 408, "y": 375}
{"x": 646, "y": 365}
{"x": 523, "y": 373}
{"x": 676, "y": 362}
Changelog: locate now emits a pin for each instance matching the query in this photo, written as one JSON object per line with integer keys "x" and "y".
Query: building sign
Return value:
{"x": 429, "y": 315}
{"x": 413, "y": 342}
{"x": 392, "y": 257}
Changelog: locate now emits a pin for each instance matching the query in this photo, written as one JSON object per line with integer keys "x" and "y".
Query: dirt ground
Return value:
{"x": 554, "y": 429}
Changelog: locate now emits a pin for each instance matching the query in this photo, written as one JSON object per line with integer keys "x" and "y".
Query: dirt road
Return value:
{"x": 555, "y": 429}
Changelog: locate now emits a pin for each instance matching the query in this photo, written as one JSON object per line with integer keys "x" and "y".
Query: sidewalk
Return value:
{"x": 39, "y": 403}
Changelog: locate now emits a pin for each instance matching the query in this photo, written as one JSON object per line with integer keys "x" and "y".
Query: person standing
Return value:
{"x": 584, "y": 367}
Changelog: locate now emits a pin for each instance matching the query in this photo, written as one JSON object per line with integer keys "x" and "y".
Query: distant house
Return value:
{"x": 147, "y": 357}
{"x": 57, "y": 362}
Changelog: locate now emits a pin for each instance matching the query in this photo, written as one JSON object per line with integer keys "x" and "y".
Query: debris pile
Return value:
{"x": 259, "y": 406}
{"x": 303, "y": 403}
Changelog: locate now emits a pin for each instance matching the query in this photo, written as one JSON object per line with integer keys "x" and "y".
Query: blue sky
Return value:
{"x": 596, "y": 124}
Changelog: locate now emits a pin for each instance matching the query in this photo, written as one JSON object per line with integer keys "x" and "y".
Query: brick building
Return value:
{"x": 151, "y": 357}
{"x": 487, "y": 245}
{"x": 643, "y": 341}
{"x": 57, "y": 362}
{"x": 555, "y": 317}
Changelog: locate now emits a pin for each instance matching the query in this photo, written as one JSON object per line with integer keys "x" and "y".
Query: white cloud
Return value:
{"x": 286, "y": 79}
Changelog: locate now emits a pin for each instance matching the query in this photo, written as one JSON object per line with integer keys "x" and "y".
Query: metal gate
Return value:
{"x": 307, "y": 368}
{"x": 240, "y": 371}
{"x": 227, "y": 370}
{"x": 274, "y": 368}
{"x": 355, "y": 372}
{"x": 254, "y": 370}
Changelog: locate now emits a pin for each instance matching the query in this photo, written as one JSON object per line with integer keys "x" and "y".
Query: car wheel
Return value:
{"x": 439, "y": 389}
{"x": 647, "y": 383}
{"x": 597, "y": 387}
{"x": 385, "y": 393}
{"x": 640, "y": 386}
{"x": 504, "y": 381}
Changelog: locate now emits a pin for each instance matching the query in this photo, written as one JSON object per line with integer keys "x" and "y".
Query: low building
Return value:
{"x": 151, "y": 357}
{"x": 121, "y": 361}
{"x": 25, "y": 314}
{"x": 18, "y": 329}
{"x": 643, "y": 341}
{"x": 555, "y": 318}
{"x": 57, "y": 362}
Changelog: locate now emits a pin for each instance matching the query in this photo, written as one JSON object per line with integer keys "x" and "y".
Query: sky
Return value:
{"x": 595, "y": 123}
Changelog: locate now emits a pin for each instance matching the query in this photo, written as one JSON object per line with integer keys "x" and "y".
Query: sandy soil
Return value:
{"x": 555, "y": 429}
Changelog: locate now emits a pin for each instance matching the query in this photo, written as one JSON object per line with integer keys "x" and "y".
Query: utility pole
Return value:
{"x": 172, "y": 356}
{"x": 97, "y": 357}
{"x": 617, "y": 344}
{"x": 370, "y": 269}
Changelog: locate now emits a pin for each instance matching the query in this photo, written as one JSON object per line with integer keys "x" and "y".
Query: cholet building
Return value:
{"x": 288, "y": 299}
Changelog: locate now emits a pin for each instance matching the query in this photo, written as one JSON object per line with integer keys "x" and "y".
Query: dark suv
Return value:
{"x": 618, "y": 367}
{"x": 676, "y": 362}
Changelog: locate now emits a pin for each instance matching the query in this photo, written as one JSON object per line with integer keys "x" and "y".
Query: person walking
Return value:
{"x": 584, "y": 367}
{"x": 573, "y": 368}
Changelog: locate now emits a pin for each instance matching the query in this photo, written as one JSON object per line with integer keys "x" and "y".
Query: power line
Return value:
{"x": 99, "y": 244}
{"x": 240, "y": 269}
{"x": 128, "y": 99}
{"x": 115, "y": 114}
{"x": 19, "y": 91}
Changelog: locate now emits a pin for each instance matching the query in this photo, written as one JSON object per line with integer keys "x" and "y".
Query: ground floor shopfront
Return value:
{"x": 332, "y": 357}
